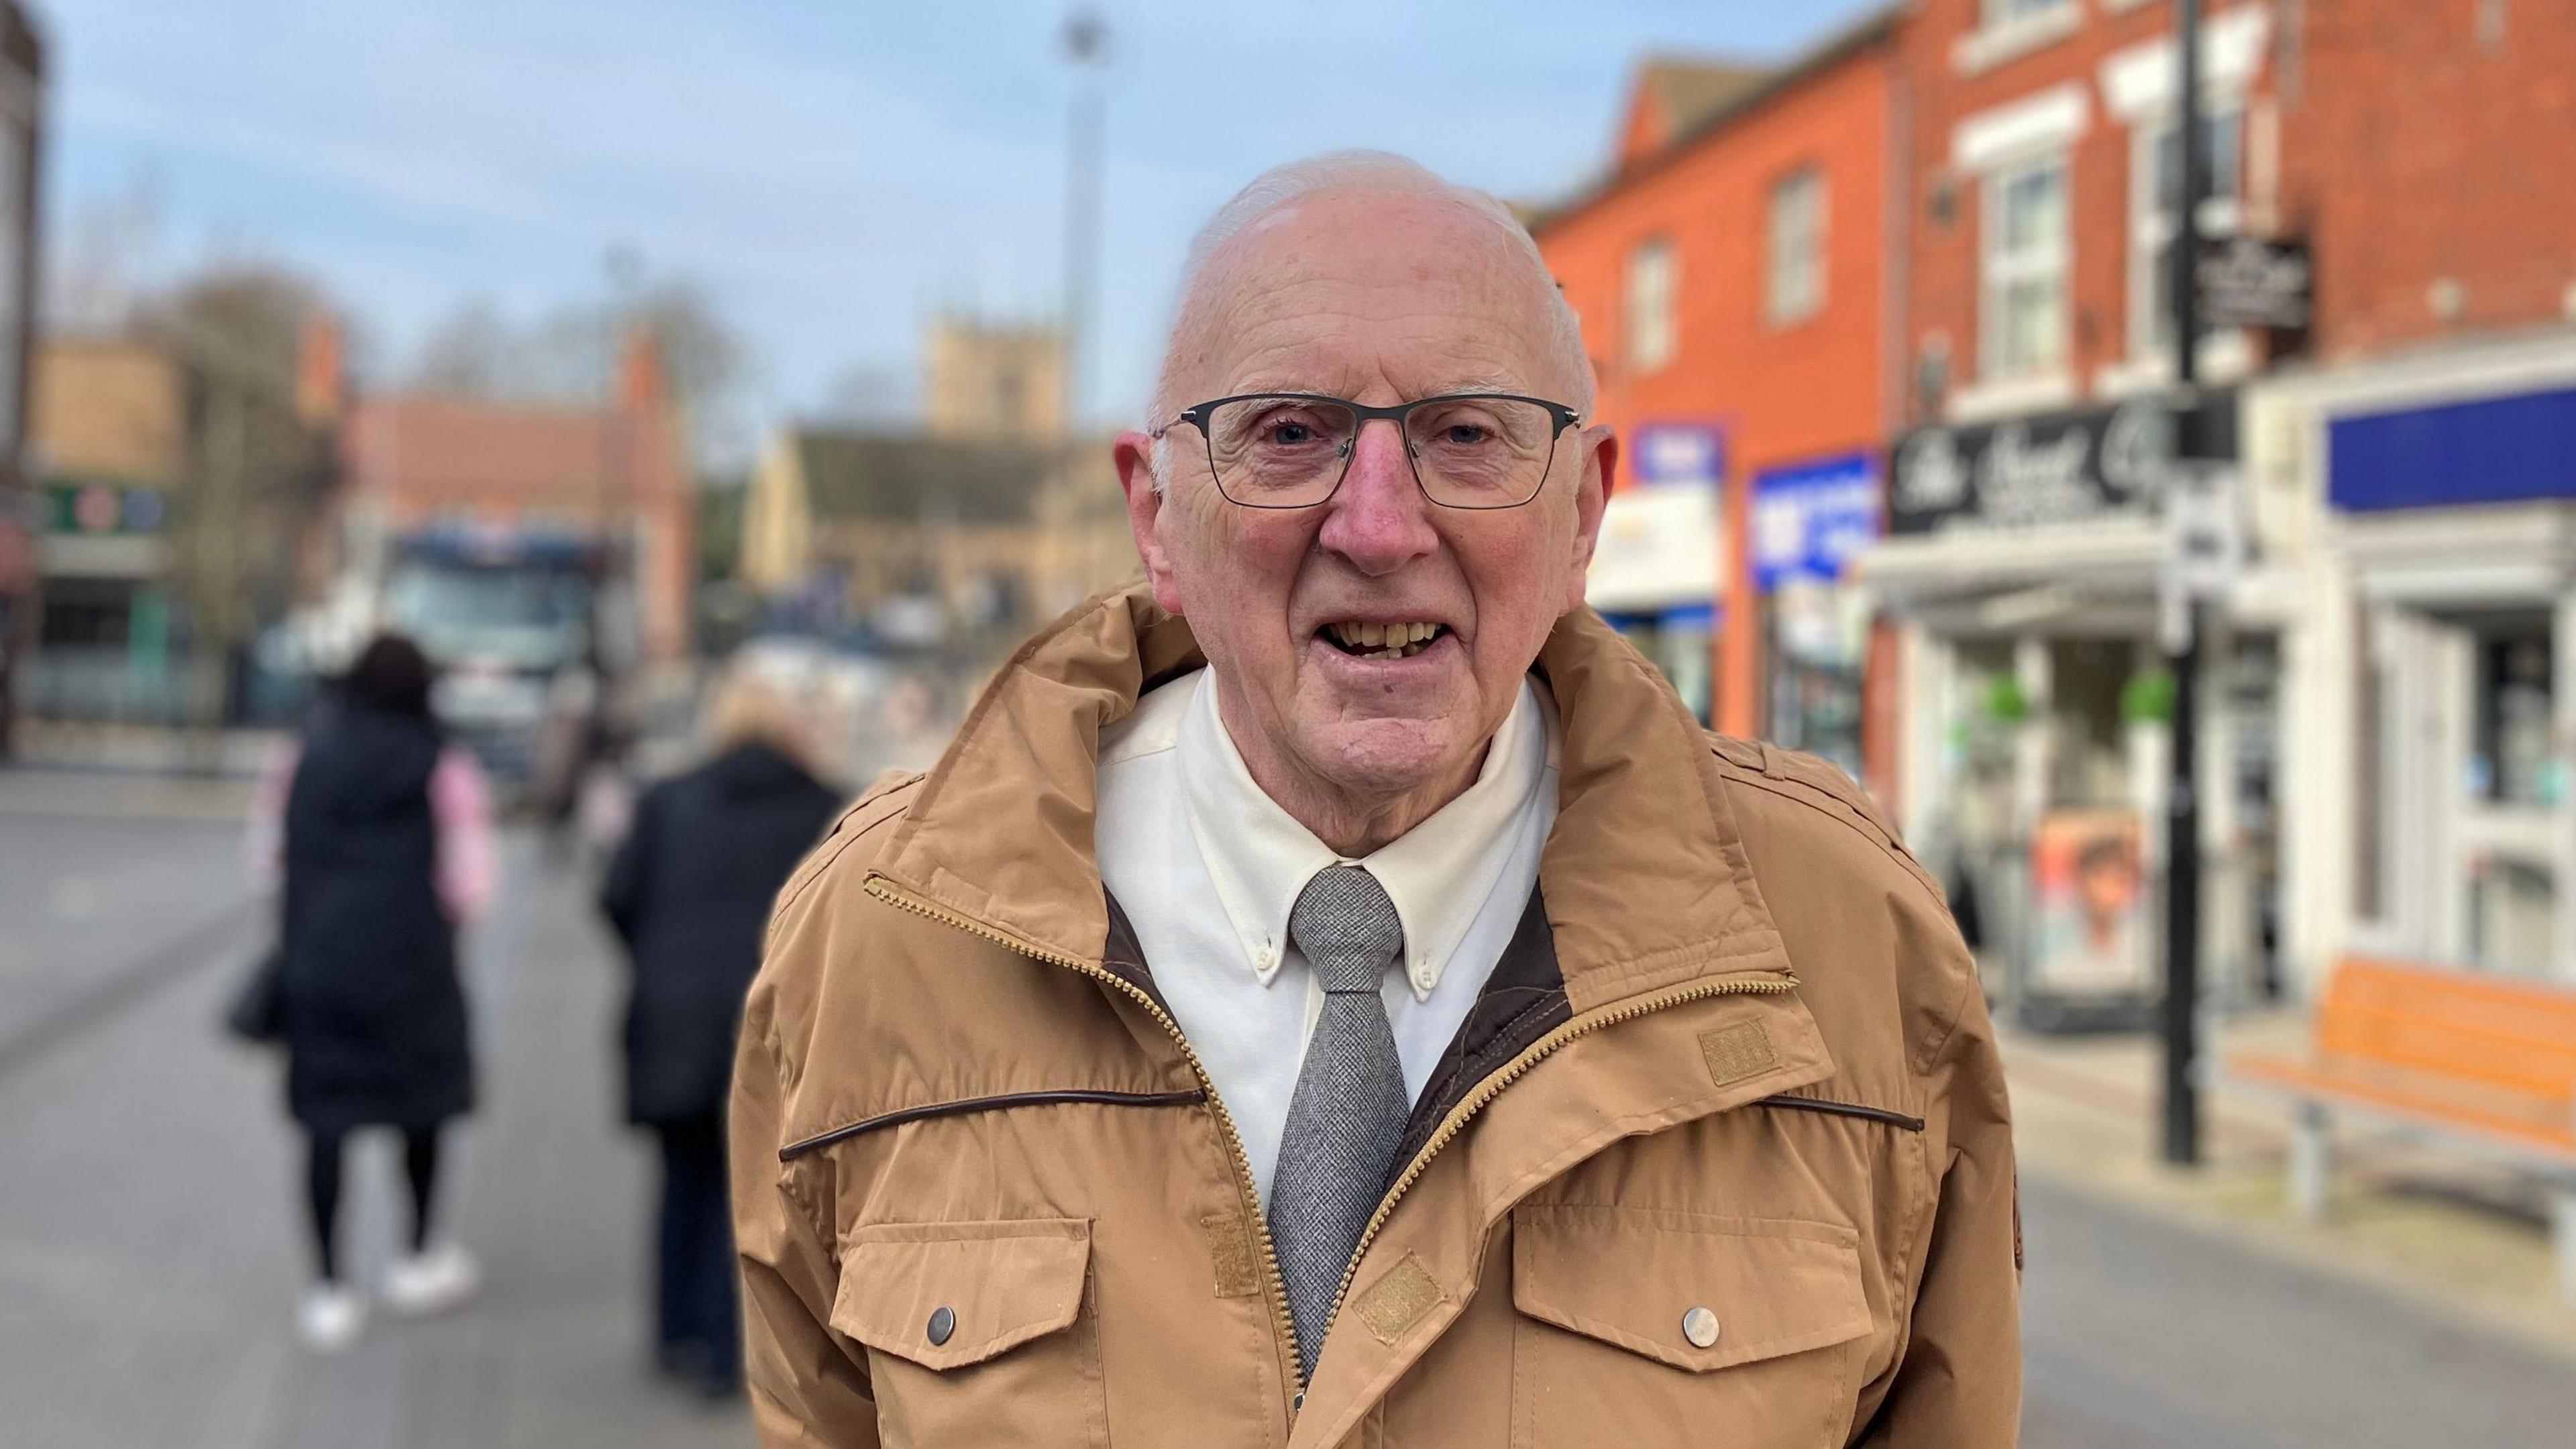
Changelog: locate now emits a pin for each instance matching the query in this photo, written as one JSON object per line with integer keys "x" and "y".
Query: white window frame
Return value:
{"x": 1653, "y": 320}
{"x": 1799, "y": 275}
{"x": 2009, "y": 28}
{"x": 2151, "y": 227}
{"x": 1995, "y": 272}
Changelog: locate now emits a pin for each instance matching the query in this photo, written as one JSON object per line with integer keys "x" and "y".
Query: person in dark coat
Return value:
{"x": 689, "y": 892}
{"x": 385, "y": 850}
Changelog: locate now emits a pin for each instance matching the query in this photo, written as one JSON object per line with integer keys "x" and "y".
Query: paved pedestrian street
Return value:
{"x": 150, "y": 1245}
{"x": 150, "y": 1250}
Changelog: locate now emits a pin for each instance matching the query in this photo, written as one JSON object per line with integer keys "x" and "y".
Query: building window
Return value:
{"x": 1797, "y": 246}
{"x": 2025, "y": 262}
{"x": 1654, "y": 285}
{"x": 2000, "y": 13}
{"x": 2155, "y": 209}
{"x": 2516, "y": 684}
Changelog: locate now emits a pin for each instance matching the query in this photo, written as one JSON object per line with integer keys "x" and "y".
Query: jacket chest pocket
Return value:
{"x": 977, "y": 1332}
{"x": 1641, "y": 1328}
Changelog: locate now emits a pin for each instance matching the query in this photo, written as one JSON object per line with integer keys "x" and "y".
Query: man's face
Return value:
{"x": 1380, "y": 299}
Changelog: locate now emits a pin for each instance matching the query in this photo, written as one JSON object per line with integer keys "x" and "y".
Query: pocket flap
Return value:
{"x": 1639, "y": 1279}
{"x": 945, "y": 1295}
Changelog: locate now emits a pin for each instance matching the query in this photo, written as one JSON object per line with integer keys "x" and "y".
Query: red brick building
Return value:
{"x": 1733, "y": 281}
{"x": 418, "y": 462}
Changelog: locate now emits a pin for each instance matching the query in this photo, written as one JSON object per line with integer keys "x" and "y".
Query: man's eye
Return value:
{"x": 1467, "y": 434}
{"x": 1291, "y": 434}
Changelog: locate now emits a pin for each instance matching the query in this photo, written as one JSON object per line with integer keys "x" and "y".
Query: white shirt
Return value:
{"x": 1207, "y": 868}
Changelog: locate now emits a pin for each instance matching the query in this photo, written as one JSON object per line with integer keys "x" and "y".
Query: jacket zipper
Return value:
{"x": 1277, "y": 1290}
{"x": 1492, "y": 1086}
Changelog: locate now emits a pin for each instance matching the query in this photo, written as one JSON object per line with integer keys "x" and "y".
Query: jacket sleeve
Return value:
{"x": 1960, "y": 1381}
{"x": 805, "y": 1390}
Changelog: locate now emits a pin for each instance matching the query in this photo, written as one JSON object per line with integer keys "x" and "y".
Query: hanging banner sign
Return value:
{"x": 2246, "y": 281}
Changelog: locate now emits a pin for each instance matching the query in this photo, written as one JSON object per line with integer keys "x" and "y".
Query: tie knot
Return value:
{"x": 1347, "y": 928}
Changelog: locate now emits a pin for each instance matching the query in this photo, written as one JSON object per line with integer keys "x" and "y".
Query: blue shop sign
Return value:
{"x": 1811, "y": 520}
{"x": 1679, "y": 455}
{"x": 2495, "y": 450}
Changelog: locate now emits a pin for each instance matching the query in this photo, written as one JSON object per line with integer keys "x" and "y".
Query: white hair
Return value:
{"x": 1347, "y": 172}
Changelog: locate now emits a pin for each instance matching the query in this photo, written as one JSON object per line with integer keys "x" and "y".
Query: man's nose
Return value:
{"x": 1379, "y": 519}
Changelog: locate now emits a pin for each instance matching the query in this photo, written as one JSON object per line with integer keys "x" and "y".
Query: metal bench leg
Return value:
{"x": 2562, "y": 1238}
{"x": 2311, "y": 1160}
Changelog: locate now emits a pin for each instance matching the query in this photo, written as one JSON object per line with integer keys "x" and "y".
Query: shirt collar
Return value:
{"x": 1438, "y": 874}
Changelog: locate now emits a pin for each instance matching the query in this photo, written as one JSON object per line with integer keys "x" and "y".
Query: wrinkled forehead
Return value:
{"x": 1352, "y": 293}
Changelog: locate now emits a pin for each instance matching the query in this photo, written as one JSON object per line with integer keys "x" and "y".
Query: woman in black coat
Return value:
{"x": 384, "y": 849}
{"x": 690, "y": 892}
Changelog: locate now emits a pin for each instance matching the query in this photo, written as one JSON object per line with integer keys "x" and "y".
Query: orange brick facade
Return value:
{"x": 2426, "y": 149}
{"x": 1944, "y": 224}
{"x": 1781, "y": 393}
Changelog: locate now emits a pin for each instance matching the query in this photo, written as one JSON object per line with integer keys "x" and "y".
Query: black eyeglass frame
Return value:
{"x": 1362, "y": 414}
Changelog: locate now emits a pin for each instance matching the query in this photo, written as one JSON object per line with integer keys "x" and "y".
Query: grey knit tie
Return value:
{"x": 1348, "y": 1113}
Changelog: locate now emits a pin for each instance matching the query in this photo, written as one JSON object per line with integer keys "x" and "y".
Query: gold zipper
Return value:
{"x": 1492, "y": 1086}
{"x": 884, "y": 890}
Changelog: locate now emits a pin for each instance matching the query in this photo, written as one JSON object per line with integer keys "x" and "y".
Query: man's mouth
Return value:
{"x": 1372, "y": 640}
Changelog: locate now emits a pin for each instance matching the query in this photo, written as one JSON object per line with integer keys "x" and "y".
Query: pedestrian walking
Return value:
{"x": 386, "y": 850}
{"x": 689, "y": 892}
{"x": 1333, "y": 992}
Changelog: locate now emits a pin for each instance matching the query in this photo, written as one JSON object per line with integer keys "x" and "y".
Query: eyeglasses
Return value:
{"x": 1292, "y": 449}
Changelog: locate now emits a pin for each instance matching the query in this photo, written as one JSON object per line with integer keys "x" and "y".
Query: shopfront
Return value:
{"x": 1809, "y": 522}
{"x": 2021, "y": 572}
{"x": 2436, "y": 822}
{"x": 1655, "y": 568}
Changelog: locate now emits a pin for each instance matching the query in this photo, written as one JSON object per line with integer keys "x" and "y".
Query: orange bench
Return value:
{"x": 2480, "y": 1062}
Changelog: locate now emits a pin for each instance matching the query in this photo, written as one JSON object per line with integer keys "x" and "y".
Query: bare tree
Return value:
{"x": 569, "y": 353}
{"x": 257, "y": 468}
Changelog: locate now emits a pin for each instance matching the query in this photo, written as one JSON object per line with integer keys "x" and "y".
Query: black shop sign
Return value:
{"x": 2070, "y": 467}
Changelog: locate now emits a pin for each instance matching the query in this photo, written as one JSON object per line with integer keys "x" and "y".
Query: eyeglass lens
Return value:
{"x": 1291, "y": 452}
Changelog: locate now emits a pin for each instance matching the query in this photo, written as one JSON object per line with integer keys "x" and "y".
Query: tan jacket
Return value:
{"x": 1737, "y": 1060}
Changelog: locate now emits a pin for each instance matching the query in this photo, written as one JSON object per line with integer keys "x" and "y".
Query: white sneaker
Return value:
{"x": 431, "y": 1282}
{"x": 330, "y": 1318}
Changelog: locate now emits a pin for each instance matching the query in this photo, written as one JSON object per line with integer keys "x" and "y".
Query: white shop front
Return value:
{"x": 2021, "y": 571}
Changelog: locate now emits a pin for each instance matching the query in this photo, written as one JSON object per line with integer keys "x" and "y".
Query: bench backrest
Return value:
{"x": 2506, "y": 1035}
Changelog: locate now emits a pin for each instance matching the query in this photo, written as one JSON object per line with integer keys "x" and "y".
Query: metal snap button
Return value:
{"x": 943, "y": 1322}
{"x": 1700, "y": 1327}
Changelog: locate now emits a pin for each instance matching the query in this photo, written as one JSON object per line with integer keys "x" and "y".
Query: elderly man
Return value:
{"x": 1334, "y": 994}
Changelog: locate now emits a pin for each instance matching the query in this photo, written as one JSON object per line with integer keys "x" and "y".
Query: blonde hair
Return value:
{"x": 748, "y": 705}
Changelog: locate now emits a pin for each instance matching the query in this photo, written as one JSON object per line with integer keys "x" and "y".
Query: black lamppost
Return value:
{"x": 2181, "y": 1025}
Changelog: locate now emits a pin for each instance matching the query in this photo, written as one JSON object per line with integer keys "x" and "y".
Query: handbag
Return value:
{"x": 258, "y": 1010}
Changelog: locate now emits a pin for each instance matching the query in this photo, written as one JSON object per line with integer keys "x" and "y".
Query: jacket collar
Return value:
{"x": 1645, "y": 877}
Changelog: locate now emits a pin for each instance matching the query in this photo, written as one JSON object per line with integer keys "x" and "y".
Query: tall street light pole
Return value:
{"x": 2181, "y": 1024}
{"x": 1086, "y": 40}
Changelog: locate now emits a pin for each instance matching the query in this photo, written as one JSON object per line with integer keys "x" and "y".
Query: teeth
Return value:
{"x": 1371, "y": 635}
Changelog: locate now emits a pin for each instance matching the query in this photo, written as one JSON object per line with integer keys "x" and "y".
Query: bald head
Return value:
{"x": 1373, "y": 219}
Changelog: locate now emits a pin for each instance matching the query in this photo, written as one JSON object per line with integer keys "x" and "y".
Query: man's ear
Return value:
{"x": 1591, "y": 493}
{"x": 1134, "y": 455}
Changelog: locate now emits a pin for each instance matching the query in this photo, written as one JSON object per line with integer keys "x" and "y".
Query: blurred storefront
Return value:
{"x": 1655, "y": 570}
{"x": 2021, "y": 573}
{"x": 2431, "y": 802}
{"x": 1810, "y": 521}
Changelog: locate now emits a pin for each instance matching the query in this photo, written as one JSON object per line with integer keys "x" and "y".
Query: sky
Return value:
{"x": 832, "y": 173}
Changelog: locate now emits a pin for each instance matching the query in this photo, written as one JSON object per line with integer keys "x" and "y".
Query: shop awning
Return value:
{"x": 2093, "y": 559}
